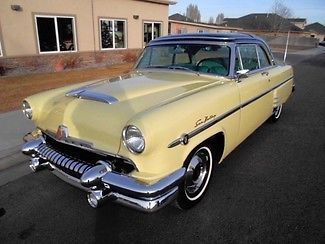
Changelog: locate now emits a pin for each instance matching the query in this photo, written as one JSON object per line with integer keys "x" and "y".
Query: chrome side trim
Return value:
{"x": 212, "y": 122}
{"x": 88, "y": 94}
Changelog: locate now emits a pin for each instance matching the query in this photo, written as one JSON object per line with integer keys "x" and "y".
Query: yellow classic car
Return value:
{"x": 154, "y": 135}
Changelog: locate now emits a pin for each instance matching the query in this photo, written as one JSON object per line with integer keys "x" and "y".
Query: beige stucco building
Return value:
{"x": 44, "y": 32}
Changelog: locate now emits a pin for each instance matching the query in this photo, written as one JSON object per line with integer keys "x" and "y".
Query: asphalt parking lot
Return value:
{"x": 270, "y": 189}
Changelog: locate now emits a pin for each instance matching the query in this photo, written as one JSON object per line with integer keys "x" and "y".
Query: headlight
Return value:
{"x": 133, "y": 139}
{"x": 27, "y": 110}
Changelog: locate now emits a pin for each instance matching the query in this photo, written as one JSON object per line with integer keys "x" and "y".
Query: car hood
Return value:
{"x": 97, "y": 113}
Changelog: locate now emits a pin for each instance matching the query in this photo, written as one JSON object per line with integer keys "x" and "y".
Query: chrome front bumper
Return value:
{"x": 101, "y": 182}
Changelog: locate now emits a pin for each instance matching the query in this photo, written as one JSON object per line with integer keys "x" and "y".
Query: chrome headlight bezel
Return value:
{"x": 27, "y": 110}
{"x": 133, "y": 139}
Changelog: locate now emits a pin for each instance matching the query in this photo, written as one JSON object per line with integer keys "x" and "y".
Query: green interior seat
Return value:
{"x": 212, "y": 66}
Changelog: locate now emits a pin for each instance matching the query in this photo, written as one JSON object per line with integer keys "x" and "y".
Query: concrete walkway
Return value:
{"x": 13, "y": 126}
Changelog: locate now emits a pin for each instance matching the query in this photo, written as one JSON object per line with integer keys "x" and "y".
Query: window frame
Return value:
{"x": 149, "y": 65}
{"x": 55, "y": 17}
{"x": 100, "y": 34}
{"x": 152, "y": 27}
{"x": 270, "y": 60}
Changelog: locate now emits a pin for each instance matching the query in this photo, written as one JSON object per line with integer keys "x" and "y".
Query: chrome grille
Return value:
{"x": 72, "y": 166}
{"x": 87, "y": 156}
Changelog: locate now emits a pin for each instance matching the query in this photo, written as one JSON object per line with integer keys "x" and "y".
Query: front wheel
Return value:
{"x": 197, "y": 176}
{"x": 277, "y": 113}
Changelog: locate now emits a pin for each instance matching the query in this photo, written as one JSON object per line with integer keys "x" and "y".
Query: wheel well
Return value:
{"x": 216, "y": 143}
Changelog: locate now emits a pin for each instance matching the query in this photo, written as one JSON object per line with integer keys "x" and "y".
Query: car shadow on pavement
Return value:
{"x": 2, "y": 212}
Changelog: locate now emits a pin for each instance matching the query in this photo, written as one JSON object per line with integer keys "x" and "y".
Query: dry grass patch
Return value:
{"x": 15, "y": 89}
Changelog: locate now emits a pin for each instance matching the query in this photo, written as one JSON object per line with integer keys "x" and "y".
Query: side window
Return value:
{"x": 264, "y": 61}
{"x": 249, "y": 56}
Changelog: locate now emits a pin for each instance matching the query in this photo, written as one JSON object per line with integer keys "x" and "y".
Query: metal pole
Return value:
{"x": 286, "y": 50}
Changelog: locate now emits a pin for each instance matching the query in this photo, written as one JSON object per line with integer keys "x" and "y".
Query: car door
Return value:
{"x": 256, "y": 102}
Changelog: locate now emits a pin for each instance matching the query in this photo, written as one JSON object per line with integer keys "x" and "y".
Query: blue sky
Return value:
{"x": 312, "y": 10}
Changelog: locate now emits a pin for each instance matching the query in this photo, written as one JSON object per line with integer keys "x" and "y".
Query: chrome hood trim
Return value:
{"x": 87, "y": 94}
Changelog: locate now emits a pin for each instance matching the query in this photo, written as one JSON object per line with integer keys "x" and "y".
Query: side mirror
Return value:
{"x": 242, "y": 74}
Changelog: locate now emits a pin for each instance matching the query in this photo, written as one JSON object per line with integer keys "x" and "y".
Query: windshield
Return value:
{"x": 202, "y": 58}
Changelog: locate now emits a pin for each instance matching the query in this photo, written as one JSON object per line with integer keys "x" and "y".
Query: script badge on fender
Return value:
{"x": 62, "y": 132}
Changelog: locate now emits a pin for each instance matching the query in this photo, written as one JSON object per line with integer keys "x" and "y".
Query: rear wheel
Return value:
{"x": 277, "y": 113}
{"x": 197, "y": 176}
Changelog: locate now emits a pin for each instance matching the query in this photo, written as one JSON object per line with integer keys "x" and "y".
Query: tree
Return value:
{"x": 219, "y": 19}
{"x": 211, "y": 20}
{"x": 279, "y": 9}
{"x": 193, "y": 12}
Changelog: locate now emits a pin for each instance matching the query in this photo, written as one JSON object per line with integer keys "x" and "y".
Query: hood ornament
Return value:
{"x": 62, "y": 132}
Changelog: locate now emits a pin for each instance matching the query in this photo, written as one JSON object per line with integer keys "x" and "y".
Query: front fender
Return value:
{"x": 164, "y": 125}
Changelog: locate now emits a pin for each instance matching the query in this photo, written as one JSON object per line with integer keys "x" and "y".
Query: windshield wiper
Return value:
{"x": 171, "y": 67}
{"x": 182, "y": 68}
{"x": 155, "y": 66}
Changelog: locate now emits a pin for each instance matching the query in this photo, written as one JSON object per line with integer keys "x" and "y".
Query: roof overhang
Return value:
{"x": 165, "y": 2}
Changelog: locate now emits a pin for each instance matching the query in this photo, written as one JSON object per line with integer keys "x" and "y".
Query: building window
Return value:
{"x": 55, "y": 34}
{"x": 112, "y": 33}
{"x": 151, "y": 30}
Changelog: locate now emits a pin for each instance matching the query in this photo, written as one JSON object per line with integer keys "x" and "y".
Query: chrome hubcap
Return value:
{"x": 198, "y": 173}
{"x": 277, "y": 111}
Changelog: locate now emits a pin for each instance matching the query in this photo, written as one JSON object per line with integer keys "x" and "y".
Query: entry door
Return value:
{"x": 256, "y": 104}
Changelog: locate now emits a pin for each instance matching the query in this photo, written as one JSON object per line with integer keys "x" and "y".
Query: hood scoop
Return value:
{"x": 89, "y": 94}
